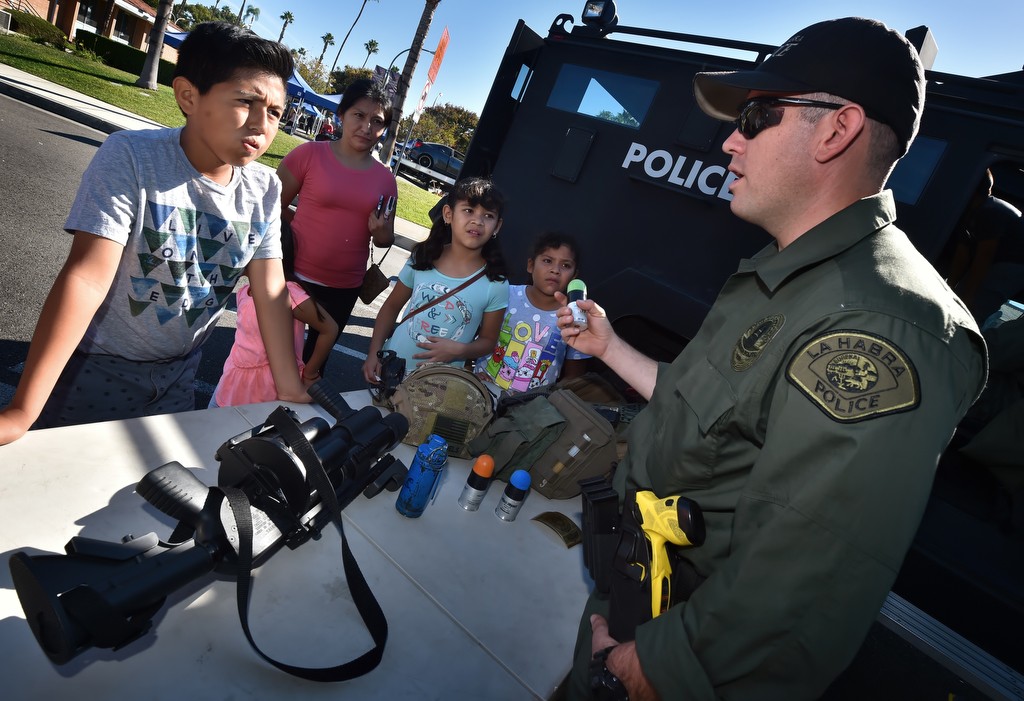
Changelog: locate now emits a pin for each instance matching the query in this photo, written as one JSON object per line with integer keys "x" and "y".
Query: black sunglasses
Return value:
{"x": 759, "y": 113}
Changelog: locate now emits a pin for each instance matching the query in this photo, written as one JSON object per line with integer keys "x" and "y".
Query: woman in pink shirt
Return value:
{"x": 339, "y": 185}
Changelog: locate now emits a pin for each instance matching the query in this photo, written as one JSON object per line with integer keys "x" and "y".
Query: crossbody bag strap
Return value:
{"x": 446, "y": 295}
{"x": 381, "y": 261}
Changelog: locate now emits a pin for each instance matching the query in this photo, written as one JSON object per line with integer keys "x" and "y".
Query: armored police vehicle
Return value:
{"x": 593, "y": 130}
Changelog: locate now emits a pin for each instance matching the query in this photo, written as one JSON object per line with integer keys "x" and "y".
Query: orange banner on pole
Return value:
{"x": 435, "y": 65}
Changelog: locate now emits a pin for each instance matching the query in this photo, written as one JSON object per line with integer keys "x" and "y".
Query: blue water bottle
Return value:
{"x": 423, "y": 478}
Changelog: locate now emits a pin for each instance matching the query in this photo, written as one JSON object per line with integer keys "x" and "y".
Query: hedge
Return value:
{"x": 126, "y": 58}
{"x": 36, "y": 28}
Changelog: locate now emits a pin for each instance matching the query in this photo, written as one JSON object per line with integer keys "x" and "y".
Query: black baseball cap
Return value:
{"x": 860, "y": 60}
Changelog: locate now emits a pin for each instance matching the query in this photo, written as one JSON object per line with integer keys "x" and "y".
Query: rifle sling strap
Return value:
{"x": 362, "y": 596}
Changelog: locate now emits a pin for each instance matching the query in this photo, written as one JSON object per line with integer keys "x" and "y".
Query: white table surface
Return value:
{"x": 477, "y": 608}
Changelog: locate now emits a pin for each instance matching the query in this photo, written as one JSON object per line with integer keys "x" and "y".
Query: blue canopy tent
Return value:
{"x": 297, "y": 87}
{"x": 174, "y": 39}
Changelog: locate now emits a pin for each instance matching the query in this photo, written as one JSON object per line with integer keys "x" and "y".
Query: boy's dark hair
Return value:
{"x": 214, "y": 51}
{"x": 553, "y": 240}
{"x": 364, "y": 87}
{"x": 476, "y": 191}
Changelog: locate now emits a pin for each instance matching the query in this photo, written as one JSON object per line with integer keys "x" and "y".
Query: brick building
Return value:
{"x": 125, "y": 21}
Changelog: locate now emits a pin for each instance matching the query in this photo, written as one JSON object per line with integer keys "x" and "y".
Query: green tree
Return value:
{"x": 444, "y": 124}
{"x": 338, "y": 55}
{"x": 197, "y": 14}
{"x": 288, "y": 18}
{"x": 178, "y": 11}
{"x": 328, "y": 40}
{"x": 148, "y": 77}
{"x": 371, "y": 47}
{"x": 312, "y": 72}
{"x": 429, "y": 7}
{"x": 241, "y": 12}
{"x": 341, "y": 79}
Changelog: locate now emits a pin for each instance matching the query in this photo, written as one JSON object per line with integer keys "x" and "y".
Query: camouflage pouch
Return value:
{"x": 448, "y": 401}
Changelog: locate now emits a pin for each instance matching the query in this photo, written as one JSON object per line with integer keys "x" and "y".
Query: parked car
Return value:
{"x": 402, "y": 149}
{"x": 439, "y": 157}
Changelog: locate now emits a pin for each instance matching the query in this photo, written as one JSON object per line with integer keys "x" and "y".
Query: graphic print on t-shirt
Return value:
{"x": 523, "y": 355}
{"x": 188, "y": 262}
{"x": 447, "y": 319}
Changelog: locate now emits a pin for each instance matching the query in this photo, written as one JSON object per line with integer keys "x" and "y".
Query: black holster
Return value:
{"x": 618, "y": 557}
{"x": 629, "y": 600}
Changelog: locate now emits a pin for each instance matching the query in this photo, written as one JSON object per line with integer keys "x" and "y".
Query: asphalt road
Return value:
{"x": 42, "y": 158}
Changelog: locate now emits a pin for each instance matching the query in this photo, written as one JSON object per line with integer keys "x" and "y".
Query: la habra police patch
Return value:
{"x": 853, "y": 375}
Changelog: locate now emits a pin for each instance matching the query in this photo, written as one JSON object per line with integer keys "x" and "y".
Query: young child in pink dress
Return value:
{"x": 246, "y": 378}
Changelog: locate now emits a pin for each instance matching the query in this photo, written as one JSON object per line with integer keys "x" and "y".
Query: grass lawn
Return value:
{"x": 414, "y": 203}
{"x": 118, "y": 88}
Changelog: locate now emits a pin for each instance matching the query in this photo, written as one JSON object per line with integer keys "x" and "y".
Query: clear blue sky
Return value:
{"x": 974, "y": 38}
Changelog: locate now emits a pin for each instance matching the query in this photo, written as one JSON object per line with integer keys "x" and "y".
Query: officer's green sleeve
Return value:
{"x": 823, "y": 523}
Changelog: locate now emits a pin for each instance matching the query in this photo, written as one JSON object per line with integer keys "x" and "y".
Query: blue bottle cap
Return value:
{"x": 520, "y": 480}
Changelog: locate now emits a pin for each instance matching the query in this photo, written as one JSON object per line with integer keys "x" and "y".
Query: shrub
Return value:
{"x": 37, "y": 29}
{"x": 82, "y": 51}
{"x": 121, "y": 56}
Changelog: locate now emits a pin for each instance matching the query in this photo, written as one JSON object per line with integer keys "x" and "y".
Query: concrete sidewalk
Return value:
{"x": 107, "y": 118}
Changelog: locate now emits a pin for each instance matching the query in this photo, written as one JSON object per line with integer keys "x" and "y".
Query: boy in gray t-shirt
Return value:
{"x": 164, "y": 222}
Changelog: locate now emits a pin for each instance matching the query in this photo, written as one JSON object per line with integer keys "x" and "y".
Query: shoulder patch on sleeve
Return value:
{"x": 853, "y": 376}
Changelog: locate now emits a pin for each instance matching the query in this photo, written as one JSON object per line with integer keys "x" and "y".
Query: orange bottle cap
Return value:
{"x": 484, "y": 466}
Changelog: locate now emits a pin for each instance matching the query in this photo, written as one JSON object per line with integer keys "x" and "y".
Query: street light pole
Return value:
{"x": 408, "y": 137}
{"x": 391, "y": 64}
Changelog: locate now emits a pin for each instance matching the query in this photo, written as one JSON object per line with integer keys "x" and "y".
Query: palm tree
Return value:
{"x": 338, "y": 55}
{"x": 371, "y": 48}
{"x": 240, "y": 11}
{"x": 429, "y": 7}
{"x": 328, "y": 40}
{"x": 288, "y": 18}
{"x": 148, "y": 77}
{"x": 253, "y": 13}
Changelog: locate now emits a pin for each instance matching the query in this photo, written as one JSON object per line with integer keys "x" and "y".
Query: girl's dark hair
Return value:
{"x": 288, "y": 263}
{"x": 475, "y": 191}
{"x": 371, "y": 89}
{"x": 214, "y": 51}
{"x": 556, "y": 239}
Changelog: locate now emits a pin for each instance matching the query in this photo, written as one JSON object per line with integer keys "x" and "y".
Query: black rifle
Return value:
{"x": 103, "y": 594}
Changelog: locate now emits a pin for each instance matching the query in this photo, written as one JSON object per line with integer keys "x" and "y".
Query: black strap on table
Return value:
{"x": 362, "y": 596}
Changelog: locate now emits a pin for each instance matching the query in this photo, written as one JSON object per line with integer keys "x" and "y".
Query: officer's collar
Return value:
{"x": 828, "y": 239}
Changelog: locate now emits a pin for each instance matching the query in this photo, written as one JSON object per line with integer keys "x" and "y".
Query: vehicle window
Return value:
{"x": 613, "y": 97}
{"x": 913, "y": 171}
{"x": 522, "y": 80}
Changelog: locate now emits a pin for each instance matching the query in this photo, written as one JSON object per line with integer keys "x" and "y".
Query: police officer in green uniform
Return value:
{"x": 807, "y": 415}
